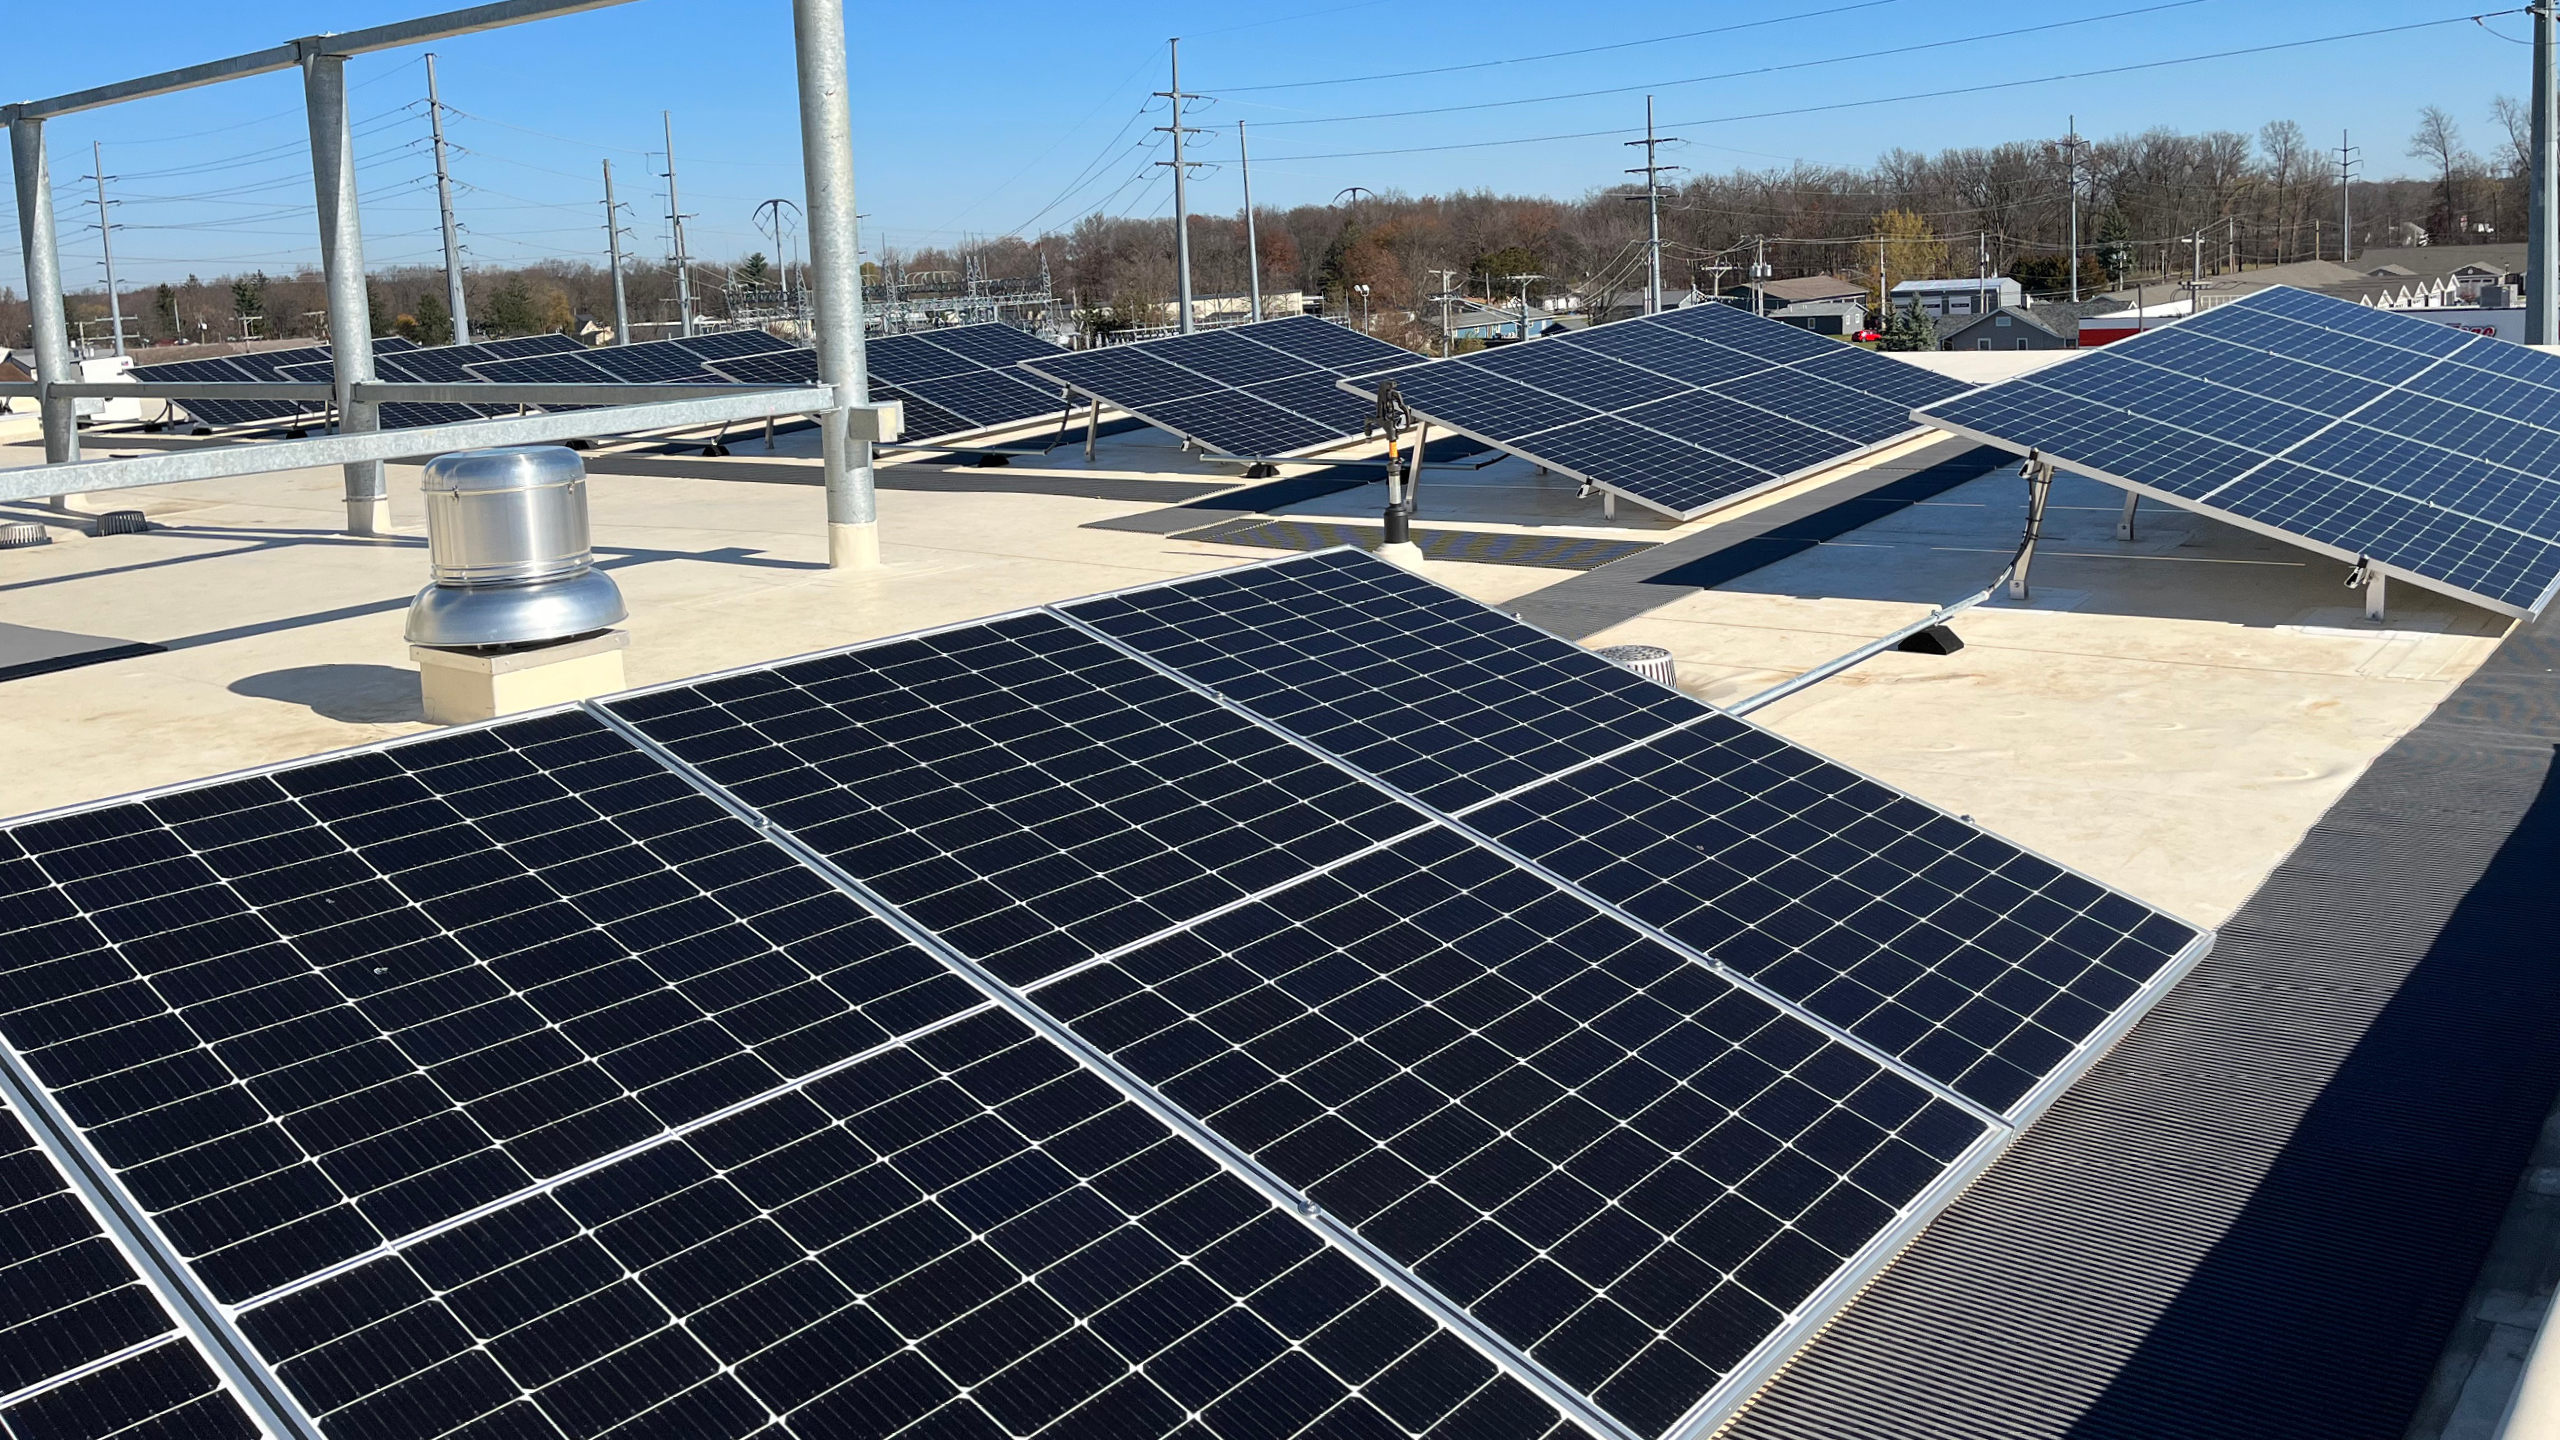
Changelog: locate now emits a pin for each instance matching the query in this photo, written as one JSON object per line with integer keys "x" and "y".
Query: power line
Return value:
{"x": 1560, "y": 54}
{"x": 1920, "y": 95}
{"x": 1742, "y": 74}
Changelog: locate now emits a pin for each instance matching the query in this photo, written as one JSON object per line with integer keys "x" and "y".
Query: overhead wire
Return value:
{"x": 1985, "y": 88}
{"x": 1817, "y": 62}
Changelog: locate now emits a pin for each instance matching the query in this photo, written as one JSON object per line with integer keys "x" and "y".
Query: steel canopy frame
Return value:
{"x": 2290, "y": 537}
{"x": 850, "y": 424}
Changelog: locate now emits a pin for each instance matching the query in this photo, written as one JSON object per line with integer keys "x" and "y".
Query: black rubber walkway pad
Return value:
{"x": 2260, "y": 1216}
{"x": 1560, "y": 552}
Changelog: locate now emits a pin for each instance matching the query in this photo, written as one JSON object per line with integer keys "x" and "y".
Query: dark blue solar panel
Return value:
{"x": 988, "y": 396}
{"x": 726, "y": 344}
{"x": 1750, "y": 401}
{"x": 1429, "y": 690}
{"x": 988, "y": 345}
{"x": 335, "y": 1005}
{"x": 2376, "y": 435}
{"x": 1619, "y": 1162}
{"x": 967, "y": 1235}
{"x": 1220, "y": 388}
{"x": 774, "y": 367}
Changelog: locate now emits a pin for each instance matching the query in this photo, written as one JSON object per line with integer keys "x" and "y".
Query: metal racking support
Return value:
{"x": 44, "y": 284}
{"x": 333, "y": 179}
{"x": 826, "y": 148}
{"x": 2542, "y": 265}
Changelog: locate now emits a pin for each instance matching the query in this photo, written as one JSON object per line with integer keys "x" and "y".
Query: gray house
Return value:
{"x": 2051, "y": 325}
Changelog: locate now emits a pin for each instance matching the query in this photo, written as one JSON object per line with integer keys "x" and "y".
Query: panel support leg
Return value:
{"x": 2124, "y": 525}
{"x": 333, "y": 180}
{"x": 2374, "y": 582}
{"x": 2039, "y": 475}
{"x": 826, "y": 158}
{"x": 1413, "y": 469}
{"x": 54, "y": 365}
{"x": 1092, "y": 428}
{"x": 1608, "y": 504}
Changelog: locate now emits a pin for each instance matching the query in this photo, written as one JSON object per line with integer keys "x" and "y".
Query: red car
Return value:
{"x": 1870, "y": 335}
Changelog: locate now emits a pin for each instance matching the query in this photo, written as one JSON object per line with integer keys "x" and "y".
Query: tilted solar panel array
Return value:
{"x": 2433, "y": 453}
{"x": 1263, "y": 389}
{"x": 1056, "y": 1019}
{"x": 441, "y": 365}
{"x": 652, "y": 362}
{"x": 253, "y": 367}
{"x": 952, "y": 382}
{"x": 1683, "y": 411}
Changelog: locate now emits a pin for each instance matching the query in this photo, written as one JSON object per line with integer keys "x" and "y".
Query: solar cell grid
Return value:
{"x": 1261, "y": 389}
{"x": 987, "y": 397}
{"x": 988, "y": 345}
{"x": 167, "y": 1392}
{"x": 1630, "y": 407}
{"x": 1919, "y": 934}
{"x": 1620, "y": 1163}
{"x": 969, "y": 1235}
{"x": 306, "y": 1013}
{"x": 1028, "y": 793}
{"x": 1426, "y": 689}
{"x": 777, "y": 367}
{"x": 2373, "y": 435}
{"x": 1977, "y": 964}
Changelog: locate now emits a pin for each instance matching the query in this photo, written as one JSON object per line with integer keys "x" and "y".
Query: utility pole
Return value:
{"x": 675, "y": 225}
{"x": 613, "y": 254}
{"x": 1252, "y": 250}
{"x": 453, "y": 300}
{"x": 1652, "y": 174}
{"x": 2071, "y": 187}
{"x": 1446, "y": 278}
{"x": 1981, "y": 271}
{"x": 1759, "y": 273}
{"x": 2347, "y": 163}
{"x": 2542, "y": 261}
{"x": 1523, "y": 282}
{"x": 106, "y": 247}
{"x": 1181, "y": 200}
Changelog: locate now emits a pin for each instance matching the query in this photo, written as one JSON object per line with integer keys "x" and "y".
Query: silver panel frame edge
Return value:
{"x": 198, "y": 1316}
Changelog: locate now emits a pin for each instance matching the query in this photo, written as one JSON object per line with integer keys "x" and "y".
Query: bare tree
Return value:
{"x": 2289, "y": 163}
{"x": 2438, "y": 141}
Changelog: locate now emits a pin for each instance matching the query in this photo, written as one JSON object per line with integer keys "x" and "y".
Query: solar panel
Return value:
{"x": 441, "y": 365}
{"x": 226, "y": 370}
{"x": 952, "y": 382}
{"x": 83, "y": 1339}
{"x": 2370, "y": 436}
{"x": 1984, "y": 968}
{"x": 652, "y": 362}
{"x": 1158, "y": 1015}
{"x": 1682, "y": 412}
{"x": 1264, "y": 389}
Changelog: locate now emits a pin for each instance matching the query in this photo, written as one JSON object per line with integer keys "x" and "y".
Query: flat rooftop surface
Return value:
{"x": 2169, "y": 715}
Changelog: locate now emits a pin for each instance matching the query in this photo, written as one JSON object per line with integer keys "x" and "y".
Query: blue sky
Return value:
{"x": 987, "y": 118}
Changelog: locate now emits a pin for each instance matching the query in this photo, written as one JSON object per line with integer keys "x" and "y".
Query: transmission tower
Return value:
{"x": 453, "y": 300}
{"x": 1652, "y": 174}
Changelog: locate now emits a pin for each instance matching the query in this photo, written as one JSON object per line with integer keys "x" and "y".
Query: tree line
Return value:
{"x": 2156, "y": 204}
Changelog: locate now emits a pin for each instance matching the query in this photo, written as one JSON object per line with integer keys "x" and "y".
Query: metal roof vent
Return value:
{"x": 120, "y": 522}
{"x": 1650, "y": 661}
{"x": 507, "y": 534}
{"x": 19, "y": 534}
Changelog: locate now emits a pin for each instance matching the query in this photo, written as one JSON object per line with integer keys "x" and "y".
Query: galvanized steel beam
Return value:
{"x": 217, "y": 462}
{"x": 291, "y": 53}
{"x": 826, "y": 148}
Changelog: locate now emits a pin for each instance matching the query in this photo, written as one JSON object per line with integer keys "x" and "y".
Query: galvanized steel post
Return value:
{"x": 2542, "y": 260}
{"x": 44, "y": 285}
{"x": 835, "y": 262}
{"x": 333, "y": 179}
